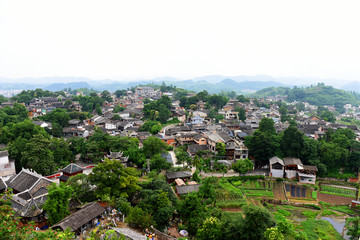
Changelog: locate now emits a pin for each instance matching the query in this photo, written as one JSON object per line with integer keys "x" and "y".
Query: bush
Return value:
{"x": 284, "y": 212}
{"x": 313, "y": 206}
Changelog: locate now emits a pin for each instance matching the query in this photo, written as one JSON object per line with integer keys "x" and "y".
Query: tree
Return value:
{"x": 113, "y": 180}
{"x": 38, "y": 156}
{"x": 283, "y": 110}
{"x": 241, "y": 113}
{"x": 207, "y": 191}
{"x": 61, "y": 151}
{"x": 220, "y": 148}
{"x": 118, "y": 108}
{"x": 82, "y": 189}
{"x": 157, "y": 162}
{"x": 353, "y": 227}
{"x": 192, "y": 212}
{"x": 106, "y": 95}
{"x": 242, "y": 166}
{"x": 138, "y": 218}
{"x": 292, "y": 142}
{"x": 57, "y": 203}
{"x": 263, "y": 146}
{"x": 211, "y": 229}
{"x": 123, "y": 205}
{"x": 153, "y": 145}
{"x": 155, "y": 129}
{"x": 266, "y": 125}
{"x": 256, "y": 221}
{"x": 164, "y": 113}
{"x": 120, "y": 93}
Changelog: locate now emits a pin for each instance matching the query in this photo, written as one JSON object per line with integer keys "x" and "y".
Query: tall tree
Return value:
{"x": 266, "y": 125}
{"x": 57, "y": 203}
{"x": 113, "y": 180}
{"x": 292, "y": 142}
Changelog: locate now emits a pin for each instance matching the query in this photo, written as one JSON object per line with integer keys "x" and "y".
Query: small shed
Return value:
{"x": 307, "y": 174}
{"x": 182, "y": 190}
{"x": 292, "y": 165}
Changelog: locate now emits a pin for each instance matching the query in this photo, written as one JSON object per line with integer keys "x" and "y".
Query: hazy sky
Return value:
{"x": 150, "y": 38}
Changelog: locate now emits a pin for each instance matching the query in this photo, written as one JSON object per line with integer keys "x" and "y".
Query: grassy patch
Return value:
{"x": 314, "y": 195}
{"x": 259, "y": 193}
{"x": 231, "y": 203}
{"x": 320, "y": 229}
{"x": 337, "y": 194}
{"x": 310, "y": 214}
{"x": 343, "y": 209}
{"x": 284, "y": 212}
{"x": 236, "y": 183}
{"x": 338, "y": 191}
{"x": 324, "y": 204}
{"x": 328, "y": 213}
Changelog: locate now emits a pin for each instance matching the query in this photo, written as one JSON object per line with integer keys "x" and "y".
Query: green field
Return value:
{"x": 338, "y": 191}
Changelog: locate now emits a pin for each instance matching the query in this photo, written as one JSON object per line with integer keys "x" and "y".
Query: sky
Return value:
{"x": 140, "y": 39}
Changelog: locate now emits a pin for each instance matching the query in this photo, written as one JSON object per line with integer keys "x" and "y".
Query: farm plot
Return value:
{"x": 338, "y": 190}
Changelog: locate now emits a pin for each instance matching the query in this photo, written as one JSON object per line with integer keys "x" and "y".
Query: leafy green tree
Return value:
{"x": 192, "y": 212}
{"x": 116, "y": 117}
{"x": 206, "y": 190}
{"x": 37, "y": 156}
{"x": 241, "y": 113}
{"x": 256, "y": 221}
{"x": 113, "y": 180}
{"x": 266, "y": 125}
{"x": 242, "y": 166}
{"x": 157, "y": 162}
{"x": 123, "y": 205}
{"x": 283, "y": 110}
{"x": 353, "y": 227}
{"x": 139, "y": 219}
{"x": 61, "y": 151}
{"x": 220, "y": 148}
{"x": 120, "y": 93}
{"x": 82, "y": 189}
{"x": 263, "y": 146}
{"x": 155, "y": 129}
{"x": 118, "y": 108}
{"x": 292, "y": 142}
{"x": 57, "y": 203}
{"x": 211, "y": 229}
{"x": 106, "y": 95}
{"x": 164, "y": 113}
{"x": 59, "y": 116}
{"x": 153, "y": 145}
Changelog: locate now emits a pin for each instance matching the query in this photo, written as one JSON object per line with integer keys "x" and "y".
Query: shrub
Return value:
{"x": 310, "y": 214}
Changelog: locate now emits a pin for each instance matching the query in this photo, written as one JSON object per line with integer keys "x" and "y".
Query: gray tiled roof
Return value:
{"x": 23, "y": 181}
{"x": 181, "y": 174}
{"x": 2, "y": 184}
{"x": 72, "y": 168}
{"x": 185, "y": 189}
{"x": 81, "y": 217}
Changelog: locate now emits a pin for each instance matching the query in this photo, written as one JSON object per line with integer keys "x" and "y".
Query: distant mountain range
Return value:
{"x": 212, "y": 84}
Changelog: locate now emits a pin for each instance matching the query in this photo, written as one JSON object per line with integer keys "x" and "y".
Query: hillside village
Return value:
{"x": 165, "y": 162}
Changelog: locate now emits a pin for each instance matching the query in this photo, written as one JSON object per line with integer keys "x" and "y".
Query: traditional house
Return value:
{"x": 70, "y": 170}
{"x": 292, "y": 165}
{"x": 276, "y": 167}
{"x": 80, "y": 221}
{"x": 307, "y": 174}
{"x": 194, "y": 149}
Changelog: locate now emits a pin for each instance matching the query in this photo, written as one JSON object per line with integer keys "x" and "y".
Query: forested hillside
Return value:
{"x": 315, "y": 95}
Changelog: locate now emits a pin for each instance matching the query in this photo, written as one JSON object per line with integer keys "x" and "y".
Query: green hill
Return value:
{"x": 315, "y": 95}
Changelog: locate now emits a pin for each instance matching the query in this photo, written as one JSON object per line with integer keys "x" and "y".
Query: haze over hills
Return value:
{"x": 212, "y": 84}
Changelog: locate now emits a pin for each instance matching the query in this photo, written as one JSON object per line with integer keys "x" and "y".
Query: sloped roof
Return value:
{"x": 181, "y": 174}
{"x": 275, "y": 159}
{"x": 2, "y": 184}
{"x": 185, "y": 189}
{"x": 194, "y": 148}
{"x": 72, "y": 168}
{"x": 310, "y": 168}
{"x": 292, "y": 161}
{"x": 4, "y": 153}
{"x": 79, "y": 218}
{"x": 23, "y": 181}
